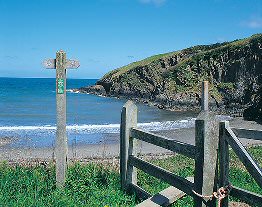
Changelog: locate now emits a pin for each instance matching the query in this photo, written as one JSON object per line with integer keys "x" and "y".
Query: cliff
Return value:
{"x": 172, "y": 80}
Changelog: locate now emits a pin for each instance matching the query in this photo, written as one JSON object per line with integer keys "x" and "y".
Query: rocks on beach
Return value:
{"x": 6, "y": 140}
{"x": 95, "y": 89}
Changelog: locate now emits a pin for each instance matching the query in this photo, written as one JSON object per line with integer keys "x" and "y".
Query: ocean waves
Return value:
{"x": 111, "y": 128}
{"x": 104, "y": 128}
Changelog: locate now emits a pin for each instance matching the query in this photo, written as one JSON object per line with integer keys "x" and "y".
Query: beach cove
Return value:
{"x": 28, "y": 118}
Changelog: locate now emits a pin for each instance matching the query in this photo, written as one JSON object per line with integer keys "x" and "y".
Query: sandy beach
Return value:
{"x": 107, "y": 149}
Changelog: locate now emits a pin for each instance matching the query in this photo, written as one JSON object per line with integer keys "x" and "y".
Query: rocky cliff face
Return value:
{"x": 172, "y": 80}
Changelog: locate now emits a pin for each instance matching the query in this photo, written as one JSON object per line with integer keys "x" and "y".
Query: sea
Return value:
{"x": 28, "y": 114}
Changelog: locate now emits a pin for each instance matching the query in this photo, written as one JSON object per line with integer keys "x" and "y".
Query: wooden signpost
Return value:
{"x": 61, "y": 64}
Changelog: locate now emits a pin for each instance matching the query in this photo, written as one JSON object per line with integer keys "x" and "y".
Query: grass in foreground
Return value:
{"x": 87, "y": 185}
{"x": 96, "y": 185}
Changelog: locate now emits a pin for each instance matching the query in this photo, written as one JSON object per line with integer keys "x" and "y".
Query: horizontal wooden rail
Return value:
{"x": 165, "y": 197}
{"x": 140, "y": 192}
{"x": 161, "y": 141}
{"x": 248, "y": 133}
{"x": 172, "y": 179}
{"x": 244, "y": 156}
{"x": 246, "y": 196}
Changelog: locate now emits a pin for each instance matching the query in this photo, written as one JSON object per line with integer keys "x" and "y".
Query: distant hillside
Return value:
{"x": 172, "y": 80}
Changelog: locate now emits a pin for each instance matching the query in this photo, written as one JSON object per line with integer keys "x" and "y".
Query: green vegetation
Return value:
{"x": 181, "y": 72}
{"x": 124, "y": 69}
{"x": 87, "y": 185}
{"x": 96, "y": 185}
{"x": 192, "y": 55}
{"x": 226, "y": 86}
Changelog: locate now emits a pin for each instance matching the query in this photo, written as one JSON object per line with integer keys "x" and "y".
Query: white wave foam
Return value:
{"x": 106, "y": 128}
{"x": 72, "y": 91}
{"x": 112, "y": 128}
{"x": 14, "y": 128}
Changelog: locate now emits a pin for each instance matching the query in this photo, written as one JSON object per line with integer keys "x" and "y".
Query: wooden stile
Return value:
{"x": 209, "y": 135}
{"x": 164, "y": 197}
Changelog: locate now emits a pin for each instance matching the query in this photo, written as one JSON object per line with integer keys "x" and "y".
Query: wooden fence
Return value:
{"x": 208, "y": 137}
{"x": 229, "y": 137}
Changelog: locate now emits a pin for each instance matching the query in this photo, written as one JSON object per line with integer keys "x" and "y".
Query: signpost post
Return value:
{"x": 61, "y": 150}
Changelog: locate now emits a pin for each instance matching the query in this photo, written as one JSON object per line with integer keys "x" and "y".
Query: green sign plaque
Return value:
{"x": 60, "y": 86}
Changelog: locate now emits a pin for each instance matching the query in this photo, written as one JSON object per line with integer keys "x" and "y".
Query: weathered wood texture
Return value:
{"x": 204, "y": 99}
{"x": 248, "y": 133}
{"x": 206, "y": 138}
{"x": 165, "y": 197}
{"x": 73, "y": 64}
{"x": 129, "y": 162}
{"x": 251, "y": 166}
{"x": 224, "y": 160}
{"x": 127, "y": 144}
{"x": 61, "y": 138}
{"x": 170, "y": 144}
{"x": 61, "y": 64}
{"x": 174, "y": 180}
{"x": 51, "y": 64}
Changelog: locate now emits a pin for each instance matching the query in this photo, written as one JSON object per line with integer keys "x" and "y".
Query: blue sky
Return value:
{"x": 106, "y": 34}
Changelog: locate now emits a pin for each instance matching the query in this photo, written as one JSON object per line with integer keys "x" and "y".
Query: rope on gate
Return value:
{"x": 220, "y": 194}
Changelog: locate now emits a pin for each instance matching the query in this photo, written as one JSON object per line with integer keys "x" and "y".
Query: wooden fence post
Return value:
{"x": 223, "y": 159}
{"x": 128, "y": 174}
{"x": 206, "y": 138}
{"x": 204, "y": 99}
{"x": 206, "y": 141}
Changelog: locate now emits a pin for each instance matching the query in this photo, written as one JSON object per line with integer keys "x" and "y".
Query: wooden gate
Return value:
{"x": 212, "y": 140}
{"x": 229, "y": 137}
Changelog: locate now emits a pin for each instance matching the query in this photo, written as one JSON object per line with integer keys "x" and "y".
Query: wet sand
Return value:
{"x": 107, "y": 149}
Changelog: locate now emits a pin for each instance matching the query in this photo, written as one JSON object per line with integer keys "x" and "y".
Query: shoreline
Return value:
{"x": 106, "y": 150}
{"x": 235, "y": 110}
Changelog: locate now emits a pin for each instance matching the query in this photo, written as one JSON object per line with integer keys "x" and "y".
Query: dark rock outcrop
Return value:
{"x": 173, "y": 80}
{"x": 254, "y": 112}
{"x": 96, "y": 90}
